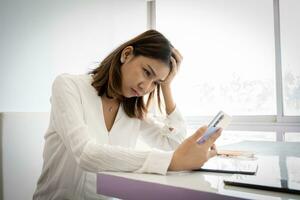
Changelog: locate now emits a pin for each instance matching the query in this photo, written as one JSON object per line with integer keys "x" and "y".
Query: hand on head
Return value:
{"x": 190, "y": 155}
{"x": 176, "y": 60}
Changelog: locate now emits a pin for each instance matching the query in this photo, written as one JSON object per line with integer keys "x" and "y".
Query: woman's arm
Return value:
{"x": 168, "y": 98}
{"x": 176, "y": 60}
{"x": 165, "y": 134}
{"x": 189, "y": 154}
{"x": 67, "y": 115}
{"x": 171, "y": 133}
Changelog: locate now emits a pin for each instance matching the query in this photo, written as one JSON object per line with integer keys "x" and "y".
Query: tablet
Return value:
{"x": 230, "y": 165}
{"x": 263, "y": 183}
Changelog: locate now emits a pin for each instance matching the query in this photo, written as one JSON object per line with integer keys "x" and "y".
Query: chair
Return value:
{"x": 21, "y": 143}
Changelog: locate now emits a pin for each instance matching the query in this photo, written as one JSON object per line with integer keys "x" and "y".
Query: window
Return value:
{"x": 292, "y": 137}
{"x": 290, "y": 44}
{"x": 237, "y": 59}
{"x": 228, "y": 49}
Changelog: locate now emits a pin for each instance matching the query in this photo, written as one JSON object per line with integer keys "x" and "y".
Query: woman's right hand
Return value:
{"x": 190, "y": 155}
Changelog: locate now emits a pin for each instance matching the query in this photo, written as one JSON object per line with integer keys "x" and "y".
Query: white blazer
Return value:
{"x": 78, "y": 145}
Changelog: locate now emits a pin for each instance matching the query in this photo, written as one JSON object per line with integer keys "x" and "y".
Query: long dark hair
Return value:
{"x": 107, "y": 76}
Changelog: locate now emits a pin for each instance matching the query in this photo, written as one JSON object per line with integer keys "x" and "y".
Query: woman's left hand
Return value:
{"x": 176, "y": 60}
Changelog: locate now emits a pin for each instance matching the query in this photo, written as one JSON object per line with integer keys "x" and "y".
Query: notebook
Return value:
{"x": 230, "y": 165}
{"x": 278, "y": 185}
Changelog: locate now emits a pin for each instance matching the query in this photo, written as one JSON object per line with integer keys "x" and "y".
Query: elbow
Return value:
{"x": 86, "y": 166}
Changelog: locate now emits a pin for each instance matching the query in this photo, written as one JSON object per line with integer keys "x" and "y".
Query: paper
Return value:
{"x": 235, "y": 153}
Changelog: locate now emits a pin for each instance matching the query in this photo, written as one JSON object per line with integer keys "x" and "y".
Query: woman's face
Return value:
{"x": 140, "y": 75}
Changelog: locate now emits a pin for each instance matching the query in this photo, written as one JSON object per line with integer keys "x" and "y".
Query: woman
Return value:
{"x": 97, "y": 118}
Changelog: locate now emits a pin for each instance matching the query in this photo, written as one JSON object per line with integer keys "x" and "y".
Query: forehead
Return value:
{"x": 160, "y": 68}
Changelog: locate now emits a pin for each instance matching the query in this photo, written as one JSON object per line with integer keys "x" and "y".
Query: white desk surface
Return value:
{"x": 275, "y": 160}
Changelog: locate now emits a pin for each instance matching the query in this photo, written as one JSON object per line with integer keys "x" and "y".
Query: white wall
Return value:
{"x": 40, "y": 39}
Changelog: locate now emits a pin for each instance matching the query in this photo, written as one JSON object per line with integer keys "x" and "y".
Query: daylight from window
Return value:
{"x": 290, "y": 44}
{"x": 228, "y": 49}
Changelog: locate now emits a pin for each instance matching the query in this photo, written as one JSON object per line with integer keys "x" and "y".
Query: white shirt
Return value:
{"x": 78, "y": 145}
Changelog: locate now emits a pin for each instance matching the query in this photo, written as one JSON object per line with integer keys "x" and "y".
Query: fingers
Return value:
{"x": 212, "y": 153}
{"x": 175, "y": 60}
{"x": 213, "y": 147}
{"x": 177, "y": 55}
{"x": 195, "y": 137}
{"x": 211, "y": 140}
{"x": 174, "y": 65}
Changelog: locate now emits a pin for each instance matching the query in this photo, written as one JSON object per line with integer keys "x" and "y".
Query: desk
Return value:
{"x": 275, "y": 160}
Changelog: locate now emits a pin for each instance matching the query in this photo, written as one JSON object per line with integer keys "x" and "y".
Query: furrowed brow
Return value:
{"x": 153, "y": 72}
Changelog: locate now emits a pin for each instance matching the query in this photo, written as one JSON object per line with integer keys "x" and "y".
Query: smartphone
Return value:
{"x": 263, "y": 183}
{"x": 221, "y": 120}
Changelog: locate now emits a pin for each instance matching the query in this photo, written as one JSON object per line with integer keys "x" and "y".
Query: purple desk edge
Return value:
{"x": 125, "y": 188}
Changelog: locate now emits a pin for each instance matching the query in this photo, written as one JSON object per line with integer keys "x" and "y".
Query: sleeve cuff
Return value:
{"x": 175, "y": 115}
{"x": 157, "y": 162}
{"x": 175, "y": 123}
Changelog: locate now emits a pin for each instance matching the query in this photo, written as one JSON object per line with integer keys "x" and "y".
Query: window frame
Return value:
{"x": 278, "y": 123}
